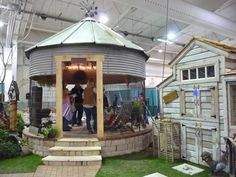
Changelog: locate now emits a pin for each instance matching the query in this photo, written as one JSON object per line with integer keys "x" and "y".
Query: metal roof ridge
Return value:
{"x": 74, "y": 31}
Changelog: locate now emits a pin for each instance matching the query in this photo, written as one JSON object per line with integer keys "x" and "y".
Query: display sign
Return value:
{"x": 170, "y": 97}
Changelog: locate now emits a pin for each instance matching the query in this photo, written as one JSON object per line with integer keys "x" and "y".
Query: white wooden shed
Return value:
{"x": 205, "y": 82}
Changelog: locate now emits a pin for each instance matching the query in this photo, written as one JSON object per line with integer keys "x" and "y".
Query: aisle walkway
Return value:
{"x": 59, "y": 171}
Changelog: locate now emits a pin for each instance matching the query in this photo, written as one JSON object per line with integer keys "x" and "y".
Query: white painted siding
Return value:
{"x": 201, "y": 131}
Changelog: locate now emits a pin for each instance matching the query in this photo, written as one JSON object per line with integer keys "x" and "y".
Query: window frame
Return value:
{"x": 197, "y": 73}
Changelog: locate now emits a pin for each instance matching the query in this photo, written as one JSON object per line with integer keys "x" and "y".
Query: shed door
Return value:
{"x": 198, "y": 140}
{"x": 232, "y": 106}
{"x": 198, "y": 107}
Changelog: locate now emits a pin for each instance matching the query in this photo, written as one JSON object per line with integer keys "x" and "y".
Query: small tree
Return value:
{"x": 5, "y": 61}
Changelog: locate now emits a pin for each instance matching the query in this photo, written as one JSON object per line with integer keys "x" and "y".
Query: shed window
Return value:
{"x": 201, "y": 72}
{"x": 210, "y": 71}
{"x": 185, "y": 74}
{"x": 193, "y": 73}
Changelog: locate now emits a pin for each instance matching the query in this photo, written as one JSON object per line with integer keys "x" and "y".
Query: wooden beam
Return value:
{"x": 59, "y": 96}
{"x": 13, "y": 114}
{"x": 182, "y": 102}
{"x": 88, "y": 57}
{"x": 99, "y": 84}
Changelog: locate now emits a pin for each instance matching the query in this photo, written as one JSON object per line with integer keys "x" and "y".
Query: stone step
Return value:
{"x": 76, "y": 142}
{"x": 72, "y": 160}
{"x": 75, "y": 151}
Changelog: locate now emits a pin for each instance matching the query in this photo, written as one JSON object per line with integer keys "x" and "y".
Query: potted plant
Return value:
{"x": 137, "y": 108}
{"x": 20, "y": 124}
{"x": 50, "y": 132}
{"x": 138, "y": 114}
{"x": 234, "y": 136}
{"x": 45, "y": 112}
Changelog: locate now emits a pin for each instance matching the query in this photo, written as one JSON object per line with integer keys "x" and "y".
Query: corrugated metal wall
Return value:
{"x": 118, "y": 60}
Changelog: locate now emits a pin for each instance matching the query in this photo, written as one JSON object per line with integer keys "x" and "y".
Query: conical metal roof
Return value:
{"x": 87, "y": 30}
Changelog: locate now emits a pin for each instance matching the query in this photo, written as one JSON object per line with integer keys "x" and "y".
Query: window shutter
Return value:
{"x": 213, "y": 101}
{"x": 182, "y": 102}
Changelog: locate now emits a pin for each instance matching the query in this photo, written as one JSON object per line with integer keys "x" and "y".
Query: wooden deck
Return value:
{"x": 81, "y": 131}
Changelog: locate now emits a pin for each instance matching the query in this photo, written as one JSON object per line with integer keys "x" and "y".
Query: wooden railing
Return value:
{"x": 231, "y": 148}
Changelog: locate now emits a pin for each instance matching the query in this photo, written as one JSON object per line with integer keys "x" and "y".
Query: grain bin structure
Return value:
{"x": 124, "y": 61}
{"x": 92, "y": 48}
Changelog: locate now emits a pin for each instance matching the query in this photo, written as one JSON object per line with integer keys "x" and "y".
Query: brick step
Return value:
{"x": 76, "y": 142}
{"x": 75, "y": 151}
{"x": 72, "y": 160}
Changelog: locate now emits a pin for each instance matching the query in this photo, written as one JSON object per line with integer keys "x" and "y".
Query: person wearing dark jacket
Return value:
{"x": 77, "y": 92}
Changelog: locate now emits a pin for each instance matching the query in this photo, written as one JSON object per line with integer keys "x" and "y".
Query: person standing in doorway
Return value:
{"x": 77, "y": 92}
{"x": 89, "y": 105}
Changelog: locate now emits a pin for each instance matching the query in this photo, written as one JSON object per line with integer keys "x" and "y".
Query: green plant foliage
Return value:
{"x": 19, "y": 122}
{"x": 50, "y": 132}
{"x": 45, "y": 112}
{"x": 3, "y": 134}
{"x": 8, "y": 149}
{"x": 20, "y": 164}
{"x": 137, "y": 108}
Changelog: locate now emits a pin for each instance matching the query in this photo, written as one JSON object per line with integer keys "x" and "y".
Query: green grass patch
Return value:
{"x": 24, "y": 164}
{"x": 141, "y": 164}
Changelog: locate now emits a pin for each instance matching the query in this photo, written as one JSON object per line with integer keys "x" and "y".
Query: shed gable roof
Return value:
{"x": 196, "y": 40}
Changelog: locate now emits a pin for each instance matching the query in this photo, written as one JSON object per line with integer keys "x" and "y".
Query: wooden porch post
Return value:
{"x": 99, "y": 85}
{"x": 59, "y": 95}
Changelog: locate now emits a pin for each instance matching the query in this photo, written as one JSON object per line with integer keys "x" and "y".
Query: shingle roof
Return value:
{"x": 213, "y": 43}
{"x": 216, "y": 44}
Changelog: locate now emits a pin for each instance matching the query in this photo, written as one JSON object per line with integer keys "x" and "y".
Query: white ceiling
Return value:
{"x": 138, "y": 20}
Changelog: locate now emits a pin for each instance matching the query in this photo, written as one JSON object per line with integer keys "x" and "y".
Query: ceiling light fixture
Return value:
{"x": 1, "y": 24}
{"x": 103, "y": 18}
{"x": 165, "y": 41}
{"x": 160, "y": 50}
{"x": 155, "y": 59}
{"x": 171, "y": 36}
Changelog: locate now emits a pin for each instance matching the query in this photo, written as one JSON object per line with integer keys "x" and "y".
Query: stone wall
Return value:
{"x": 127, "y": 145}
{"x": 111, "y": 147}
{"x": 40, "y": 145}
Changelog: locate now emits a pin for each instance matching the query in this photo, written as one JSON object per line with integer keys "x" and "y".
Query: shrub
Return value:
{"x": 45, "y": 112}
{"x": 20, "y": 124}
{"x": 8, "y": 149}
{"x": 3, "y": 134}
{"x": 50, "y": 132}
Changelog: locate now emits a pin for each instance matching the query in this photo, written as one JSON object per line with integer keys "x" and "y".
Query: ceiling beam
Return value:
{"x": 122, "y": 15}
{"x": 187, "y": 13}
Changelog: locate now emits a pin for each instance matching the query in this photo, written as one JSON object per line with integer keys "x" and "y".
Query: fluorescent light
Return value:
{"x": 1, "y": 24}
{"x": 160, "y": 50}
{"x": 103, "y": 18}
{"x": 171, "y": 36}
{"x": 155, "y": 59}
{"x": 165, "y": 41}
